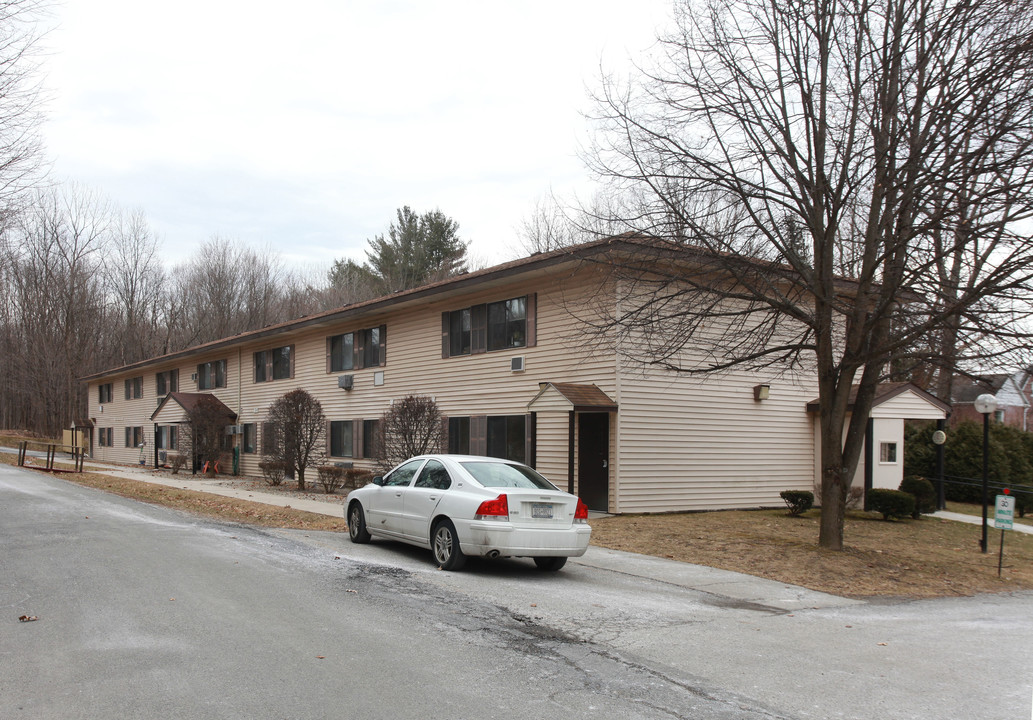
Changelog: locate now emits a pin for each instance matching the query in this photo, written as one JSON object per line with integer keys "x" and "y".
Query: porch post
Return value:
{"x": 869, "y": 458}
{"x": 570, "y": 452}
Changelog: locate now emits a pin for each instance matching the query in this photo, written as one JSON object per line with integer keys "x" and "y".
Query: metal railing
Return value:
{"x": 50, "y": 452}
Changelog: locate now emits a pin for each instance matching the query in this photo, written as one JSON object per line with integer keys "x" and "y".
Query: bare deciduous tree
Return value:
{"x": 838, "y": 185}
{"x": 300, "y": 431}
{"x": 411, "y": 426}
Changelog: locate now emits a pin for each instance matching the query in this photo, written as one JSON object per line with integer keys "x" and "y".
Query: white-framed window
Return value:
{"x": 888, "y": 452}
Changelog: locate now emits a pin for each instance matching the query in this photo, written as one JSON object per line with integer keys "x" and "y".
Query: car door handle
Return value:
{"x": 432, "y": 498}
{"x": 398, "y": 494}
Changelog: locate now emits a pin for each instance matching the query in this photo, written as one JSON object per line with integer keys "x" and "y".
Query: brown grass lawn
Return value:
{"x": 912, "y": 558}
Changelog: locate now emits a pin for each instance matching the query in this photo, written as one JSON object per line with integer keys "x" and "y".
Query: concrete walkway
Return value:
{"x": 213, "y": 487}
{"x": 978, "y": 520}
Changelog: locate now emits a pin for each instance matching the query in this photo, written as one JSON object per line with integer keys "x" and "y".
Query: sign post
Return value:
{"x": 1004, "y": 515}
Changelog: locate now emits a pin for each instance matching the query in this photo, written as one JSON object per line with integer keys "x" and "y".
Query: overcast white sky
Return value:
{"x": 302, "y": 126}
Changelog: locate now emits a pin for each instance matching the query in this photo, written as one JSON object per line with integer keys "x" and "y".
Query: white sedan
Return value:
{"x": 459, "y": 505}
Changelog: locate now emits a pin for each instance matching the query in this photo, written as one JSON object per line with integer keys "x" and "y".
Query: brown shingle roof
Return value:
{"x": 585, "y": 397}
{"x": 192, "y": 401}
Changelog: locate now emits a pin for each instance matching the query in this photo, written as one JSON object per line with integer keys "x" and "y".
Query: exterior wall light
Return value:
{"x": 761, "y": 392}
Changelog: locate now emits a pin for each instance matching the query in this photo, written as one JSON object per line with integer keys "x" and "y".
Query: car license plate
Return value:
{"x": 541, "y": 511}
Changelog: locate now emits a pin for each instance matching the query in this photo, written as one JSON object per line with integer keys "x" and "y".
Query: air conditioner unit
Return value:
{"x": 163, "y": 456}
{"x": 345, "y": 381}
{"x": 516, "y": 364}
{"x": 193, "y": 376}
{"x": 234, "y": 430}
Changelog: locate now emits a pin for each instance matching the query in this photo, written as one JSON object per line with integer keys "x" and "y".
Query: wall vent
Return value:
{"x": 516, "y": 364}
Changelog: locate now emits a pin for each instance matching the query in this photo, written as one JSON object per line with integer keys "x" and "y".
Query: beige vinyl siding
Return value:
{"x": 684, "y": 443}
{"x": 687, "y": 444}
{"x": 462, "y": 386}
{"x": 553, "y": 434}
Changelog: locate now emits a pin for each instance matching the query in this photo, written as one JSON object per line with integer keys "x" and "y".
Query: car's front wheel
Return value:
{"x": 550, "y": 564}
{"x": 357, "y": 524}
{"x": 445, "y": 543}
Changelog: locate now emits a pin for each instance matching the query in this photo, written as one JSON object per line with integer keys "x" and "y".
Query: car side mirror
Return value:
{"x": 378, "y": 480}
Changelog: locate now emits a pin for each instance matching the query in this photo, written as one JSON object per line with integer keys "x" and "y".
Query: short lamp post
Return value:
{"x": 939, "y": 438}
{"x": 986, "y": 405}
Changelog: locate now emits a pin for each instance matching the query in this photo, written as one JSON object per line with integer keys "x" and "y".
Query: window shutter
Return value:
{"x": 129, "y": 390}
{"x": 445, "y": 326}
{"x": 383, "y": 345}
{"x": 532, "y": 320}
{"x": 174, "y": 380}
{"x": 292, "y": 361}
{"x": 357, "y": 439}
{"x": 479, "y": 434}
{"x": 329, "y": 440}
{"x": 328, "y": 346}
{"x": 478, "y": 329}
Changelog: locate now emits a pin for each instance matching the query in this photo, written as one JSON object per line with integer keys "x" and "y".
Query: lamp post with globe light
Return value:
{"x": 985, "y": 404}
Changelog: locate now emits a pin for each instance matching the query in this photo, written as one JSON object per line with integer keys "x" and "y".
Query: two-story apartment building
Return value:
{"x": 503, "y": 353}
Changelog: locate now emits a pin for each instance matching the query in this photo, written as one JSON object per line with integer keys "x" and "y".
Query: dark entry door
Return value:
{"x": 593, "y": 451}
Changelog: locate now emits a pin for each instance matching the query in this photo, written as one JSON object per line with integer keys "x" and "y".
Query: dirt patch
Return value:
{"x": 913, "y": 558}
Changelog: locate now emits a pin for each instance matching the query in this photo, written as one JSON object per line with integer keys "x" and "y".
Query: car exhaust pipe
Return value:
{"x": 493, "y": 554}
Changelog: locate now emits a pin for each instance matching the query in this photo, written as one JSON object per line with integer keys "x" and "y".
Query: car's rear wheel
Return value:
{"x": 550, "y": 564}
{"x": 445, "y": 543}
{"x": 357, "y": 524}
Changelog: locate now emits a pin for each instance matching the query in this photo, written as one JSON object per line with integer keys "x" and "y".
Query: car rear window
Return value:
{"x": 491, "y": 474}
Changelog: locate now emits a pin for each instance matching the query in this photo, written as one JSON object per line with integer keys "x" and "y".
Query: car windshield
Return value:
{"x": 496, "y": 474}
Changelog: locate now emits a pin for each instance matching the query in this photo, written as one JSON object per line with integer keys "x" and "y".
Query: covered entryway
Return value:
{"x": 572, "y": 439}
{"x": 175, "y": 412}
{"x": 593, "y": 460}
{"x": 882, "y": 463}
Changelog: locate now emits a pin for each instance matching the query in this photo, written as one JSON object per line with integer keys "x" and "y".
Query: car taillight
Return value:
{"x": 581, "y": 512}
{"x": 497, "y": 509}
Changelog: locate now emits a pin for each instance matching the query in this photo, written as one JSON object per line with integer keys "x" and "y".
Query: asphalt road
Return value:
{"x": 150, "y": 613}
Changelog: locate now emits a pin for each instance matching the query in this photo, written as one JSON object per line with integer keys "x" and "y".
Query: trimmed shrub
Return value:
{"x": 798, "y": 501}
{"x": 891, "y": 503}
{"x": 924, "y": 492}
{"x": 273, "y": 471}
{"x": 331, "y": 477}
{"x": 355, "y": 478}
{"x": 176, "y": 462}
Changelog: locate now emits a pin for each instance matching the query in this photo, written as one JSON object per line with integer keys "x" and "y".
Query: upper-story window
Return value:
{"x": 341, "y": 349}
{"x": 134, "y": 388}
{"x": 275, "y": 364}
{"x": 507, "y": 324}
{"x": 104, "y": 393}
{"x": 166, "y": 382}
{"x": 501, "y": 325}
{"x": 357, "y": 350}
{"x": 459, "y": 332}
{"x": 211, "y": 375}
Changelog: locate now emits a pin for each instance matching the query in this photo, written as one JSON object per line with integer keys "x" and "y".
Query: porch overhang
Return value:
{"x": 571, "y": 397}
{"x": 176, "y": 407}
